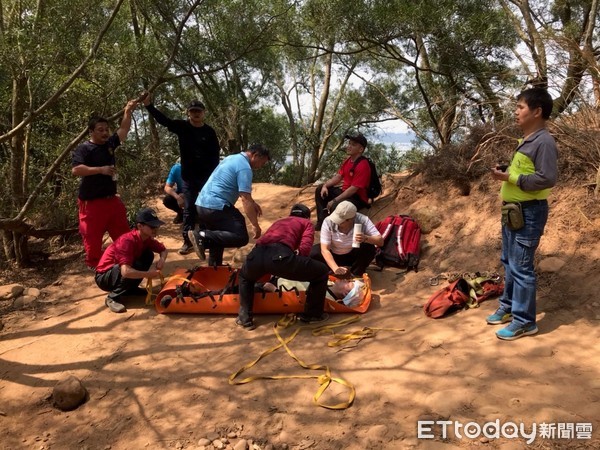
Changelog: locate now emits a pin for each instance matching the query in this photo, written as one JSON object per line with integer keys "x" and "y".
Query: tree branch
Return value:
{"x": 23, "y": 228}
{"x": 54, "y": 167}
{"x": 50, "y": 101}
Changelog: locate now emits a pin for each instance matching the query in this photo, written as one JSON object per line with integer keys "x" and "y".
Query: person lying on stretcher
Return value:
{"x": 350, "y": 292}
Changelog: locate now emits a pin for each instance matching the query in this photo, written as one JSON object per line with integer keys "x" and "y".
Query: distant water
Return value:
{"x": 400, "y": 140}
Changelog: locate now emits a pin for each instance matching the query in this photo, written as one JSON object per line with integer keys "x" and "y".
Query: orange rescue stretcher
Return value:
{"x": 213, "y": 290}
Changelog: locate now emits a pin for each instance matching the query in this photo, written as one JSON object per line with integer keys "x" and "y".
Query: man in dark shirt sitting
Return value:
{"x": 199, "y": 151}
{"x": 283, "y": 252}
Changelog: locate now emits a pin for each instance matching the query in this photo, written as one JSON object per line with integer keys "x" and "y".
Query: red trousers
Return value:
{"x": 96, "y": 217}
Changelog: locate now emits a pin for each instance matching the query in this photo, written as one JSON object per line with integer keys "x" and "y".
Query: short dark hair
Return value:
{"x": 537, "y": 98}
{"x": 95, "y": 120}
{"x": 300, "y": 210}
{"x": 261, "y": 150}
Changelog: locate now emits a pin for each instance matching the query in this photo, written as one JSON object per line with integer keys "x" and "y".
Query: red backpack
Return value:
{"x": 462, "y": 293}
{"x": 402, "y": 241}
{"x": 450, "y": 298}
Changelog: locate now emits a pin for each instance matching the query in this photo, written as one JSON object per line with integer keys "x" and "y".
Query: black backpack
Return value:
{"x": 374, "y": 188}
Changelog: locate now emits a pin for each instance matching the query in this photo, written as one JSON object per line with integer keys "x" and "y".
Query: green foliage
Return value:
{"x": 412, "y": 158}
{"x": 438, "y": 64}
{"x": 445, "y": 67}
{"x": 269, "y": 129}
{"x": 288, "y": 175}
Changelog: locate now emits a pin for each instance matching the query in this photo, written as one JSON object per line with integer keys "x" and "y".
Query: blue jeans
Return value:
{"x": 518, "y": 251}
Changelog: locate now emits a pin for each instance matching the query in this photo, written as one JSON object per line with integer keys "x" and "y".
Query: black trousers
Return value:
{"x": 171, "y": 203}
{"x": 190, "y": 190}
{"x": 279, "y": 260}
{"x": 223, "y": 229}
{"x": 113, "y": 282}
{"x": 358, "y": 259}
{"x": 332, "y": 192}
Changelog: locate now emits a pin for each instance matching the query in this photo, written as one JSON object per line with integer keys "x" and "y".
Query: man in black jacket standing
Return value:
{"x": 199, "y": 151}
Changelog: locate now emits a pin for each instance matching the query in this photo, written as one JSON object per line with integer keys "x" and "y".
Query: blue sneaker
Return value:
{"x": 499, "y": 317}
{"x": 512, "y": 331}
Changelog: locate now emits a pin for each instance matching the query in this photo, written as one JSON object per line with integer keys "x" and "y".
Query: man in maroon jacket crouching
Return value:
{"x": 283, "y": 251}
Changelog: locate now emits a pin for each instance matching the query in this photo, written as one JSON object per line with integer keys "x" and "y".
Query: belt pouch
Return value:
{"x": 512, "y": 216}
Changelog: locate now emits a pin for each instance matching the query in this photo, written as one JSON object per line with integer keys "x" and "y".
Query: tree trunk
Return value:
{"x": 491, "y": 98}
{"x": 16, "y": 247}
{"x": 7, "y": 246}
{"x": 319, "y": 117}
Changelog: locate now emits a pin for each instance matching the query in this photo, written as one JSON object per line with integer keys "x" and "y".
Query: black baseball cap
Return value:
{"x": 359, "y": 137}
{"x": 148, "y": 216}
{"x": 300, "y": 210}
{"x": 197, "y": 105}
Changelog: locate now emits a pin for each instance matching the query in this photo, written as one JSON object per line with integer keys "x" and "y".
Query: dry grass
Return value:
{"x": 471, "y": 159}
{"x": 577, "y": 137}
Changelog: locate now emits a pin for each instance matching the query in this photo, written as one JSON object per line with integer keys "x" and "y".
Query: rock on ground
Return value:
{"x": 69, "y": 393}
{"x": 24, "y": 301}
{"x": 551, "y": 265}
{"x": 10, "y": 291}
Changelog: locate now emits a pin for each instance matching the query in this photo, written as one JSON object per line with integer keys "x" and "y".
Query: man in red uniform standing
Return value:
{"x": 283, "y": 252}
{"x": 100, "y": 208}
{"x": 127, "y": 260}
{"x": 354, "y": 176}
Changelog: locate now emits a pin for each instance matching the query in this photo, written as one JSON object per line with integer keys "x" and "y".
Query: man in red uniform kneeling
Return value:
{"x": 127, "y": 260}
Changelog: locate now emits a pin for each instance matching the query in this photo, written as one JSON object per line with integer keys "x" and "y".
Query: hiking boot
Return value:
{"x": 248, "y": 326}
{"x": 114, "y": 306}
{"x": 198, "y": 244}
{"x": 185, "y": 249}
{"x": 512, "y": 331}
{"x": 313, "y": 319}
{"x": 499, "y": 317}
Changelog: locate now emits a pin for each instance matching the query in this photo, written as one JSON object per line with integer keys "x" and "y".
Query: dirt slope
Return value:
{"x": 158, "y": 381}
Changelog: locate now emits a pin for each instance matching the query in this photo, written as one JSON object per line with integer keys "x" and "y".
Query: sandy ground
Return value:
{"x": 161, "y": 381}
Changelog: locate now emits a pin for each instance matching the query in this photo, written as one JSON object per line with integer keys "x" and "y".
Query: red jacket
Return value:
{"x": 295, "y": 232}
{"x": 126, "y": 249}
{"x": 360, "y": 177}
